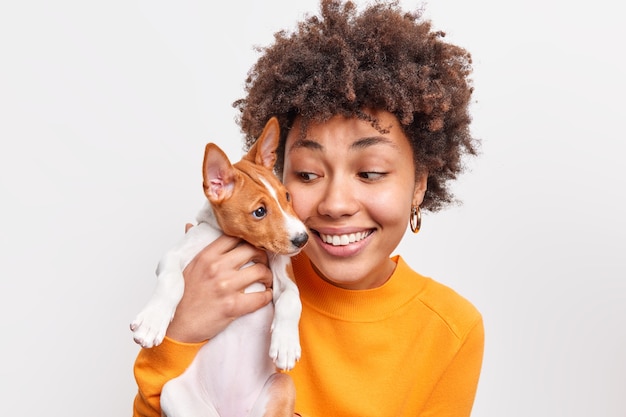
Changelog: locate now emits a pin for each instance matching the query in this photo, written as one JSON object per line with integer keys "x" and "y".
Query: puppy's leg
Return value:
{"x": 278, "y": 398}
{"x": 285, "y": 339}
{"x": 151, "y": 323}
{"x": 183, "y": 397}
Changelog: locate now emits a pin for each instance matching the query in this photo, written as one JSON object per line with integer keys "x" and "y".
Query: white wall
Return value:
{"x": 104, "y": 111}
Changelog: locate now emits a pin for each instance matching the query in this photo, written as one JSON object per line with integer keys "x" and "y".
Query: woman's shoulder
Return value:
{"x": 456, "y": 311}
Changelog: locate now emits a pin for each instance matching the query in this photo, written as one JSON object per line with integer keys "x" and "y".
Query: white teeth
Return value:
{"x": 343, "y": 240}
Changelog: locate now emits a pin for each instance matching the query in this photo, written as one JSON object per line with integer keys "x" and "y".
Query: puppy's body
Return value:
{"x": 234, "y": 374}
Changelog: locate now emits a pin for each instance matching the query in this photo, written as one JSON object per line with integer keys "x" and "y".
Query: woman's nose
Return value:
{"x": 339, "y": 199}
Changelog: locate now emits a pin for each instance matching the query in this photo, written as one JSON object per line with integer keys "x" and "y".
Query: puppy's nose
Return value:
{"x": 300, "y": 240}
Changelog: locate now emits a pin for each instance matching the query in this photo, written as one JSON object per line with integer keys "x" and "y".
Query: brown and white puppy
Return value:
{"x": 235, "y": 373}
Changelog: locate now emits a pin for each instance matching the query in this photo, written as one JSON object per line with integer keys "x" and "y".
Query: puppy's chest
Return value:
{"x": 244, "y": 344}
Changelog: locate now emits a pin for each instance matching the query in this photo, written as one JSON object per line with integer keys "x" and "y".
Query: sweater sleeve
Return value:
{"x": 154, "y": 367}
{"x": 454, "y": 394}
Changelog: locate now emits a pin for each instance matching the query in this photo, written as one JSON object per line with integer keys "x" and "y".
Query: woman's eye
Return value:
{"x": 288, "y": 197}
{"x": 259, "y": 213}
{"x": 371, "y": 175}
{"x": 307, "y": 176}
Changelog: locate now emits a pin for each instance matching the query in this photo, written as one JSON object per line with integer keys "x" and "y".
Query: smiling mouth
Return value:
{"x": 343, "y": 240}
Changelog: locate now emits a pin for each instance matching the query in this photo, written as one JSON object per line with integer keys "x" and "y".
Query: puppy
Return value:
{"x": 236, "y": 373}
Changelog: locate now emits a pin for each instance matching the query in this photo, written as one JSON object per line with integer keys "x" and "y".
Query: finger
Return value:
{"x": 240, "y": 281}
{"x": 246, "y": 253}
{"x": 254, "y": 273}
{"x": 234, "y": 252}
{"x": 249, "y": 302}
{"x": 221, "y": 246}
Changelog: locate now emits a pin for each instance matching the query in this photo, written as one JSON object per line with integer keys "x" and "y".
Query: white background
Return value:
{"x": 105, "y": 108}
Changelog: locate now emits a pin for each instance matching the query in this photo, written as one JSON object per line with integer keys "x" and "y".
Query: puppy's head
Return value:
{"x": 249, "y": 201}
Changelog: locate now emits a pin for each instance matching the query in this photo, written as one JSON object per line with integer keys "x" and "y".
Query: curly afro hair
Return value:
{"x": 345, "y": 61}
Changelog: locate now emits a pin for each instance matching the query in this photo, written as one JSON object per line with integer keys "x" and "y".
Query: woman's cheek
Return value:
{"x": 385, "y": 207}
{"x": 300, "y": 200}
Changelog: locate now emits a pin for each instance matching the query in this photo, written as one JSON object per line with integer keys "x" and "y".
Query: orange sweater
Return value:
{"x": 412, "y": 347}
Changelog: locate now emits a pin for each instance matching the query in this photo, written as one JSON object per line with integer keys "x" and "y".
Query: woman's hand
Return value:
{"x": 214, "y": 289}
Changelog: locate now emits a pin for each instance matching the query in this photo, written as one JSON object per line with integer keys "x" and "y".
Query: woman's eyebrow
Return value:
{"x": 363, "y": 143}
{"x": 360, "y": 143}
{"x": 305, "y": 143}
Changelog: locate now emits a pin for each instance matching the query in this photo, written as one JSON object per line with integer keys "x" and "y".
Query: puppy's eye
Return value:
{"x": 259, "y": 213}
{"x": 288, "y": 196}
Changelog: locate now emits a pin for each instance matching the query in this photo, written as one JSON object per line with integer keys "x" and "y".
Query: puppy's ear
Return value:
{"x": 218, "y": 174}
{"x": 263, "y": 152}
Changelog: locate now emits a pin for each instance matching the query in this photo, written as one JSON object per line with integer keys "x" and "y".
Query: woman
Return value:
{"x": 373, "y": 107}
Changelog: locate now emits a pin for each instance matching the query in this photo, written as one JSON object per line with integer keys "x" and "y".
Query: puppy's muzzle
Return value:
{"x": 300, "y": 240}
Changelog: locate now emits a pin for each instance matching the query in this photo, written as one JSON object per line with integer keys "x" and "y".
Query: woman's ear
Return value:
{"x": 420, "y": 189}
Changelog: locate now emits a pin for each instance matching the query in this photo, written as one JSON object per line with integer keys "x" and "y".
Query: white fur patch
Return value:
{"x": 293, "y": 225}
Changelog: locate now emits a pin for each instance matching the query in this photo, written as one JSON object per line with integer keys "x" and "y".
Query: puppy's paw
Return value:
{"x": 285, "y": 348}
{"x": 150, "y": 325}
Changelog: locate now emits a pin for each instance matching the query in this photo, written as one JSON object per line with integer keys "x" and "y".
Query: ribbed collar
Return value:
{"x": 357, "y": 305}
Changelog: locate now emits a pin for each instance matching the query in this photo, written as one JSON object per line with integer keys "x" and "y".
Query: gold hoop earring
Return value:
{"x": 415, "y": 219}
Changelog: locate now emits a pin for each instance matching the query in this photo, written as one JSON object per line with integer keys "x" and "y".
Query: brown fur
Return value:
{"x": 283, "y": 393}
{"x": 252, "y": 196}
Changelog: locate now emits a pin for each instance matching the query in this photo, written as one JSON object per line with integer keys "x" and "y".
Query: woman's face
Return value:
{"x": 353, "y": 187}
